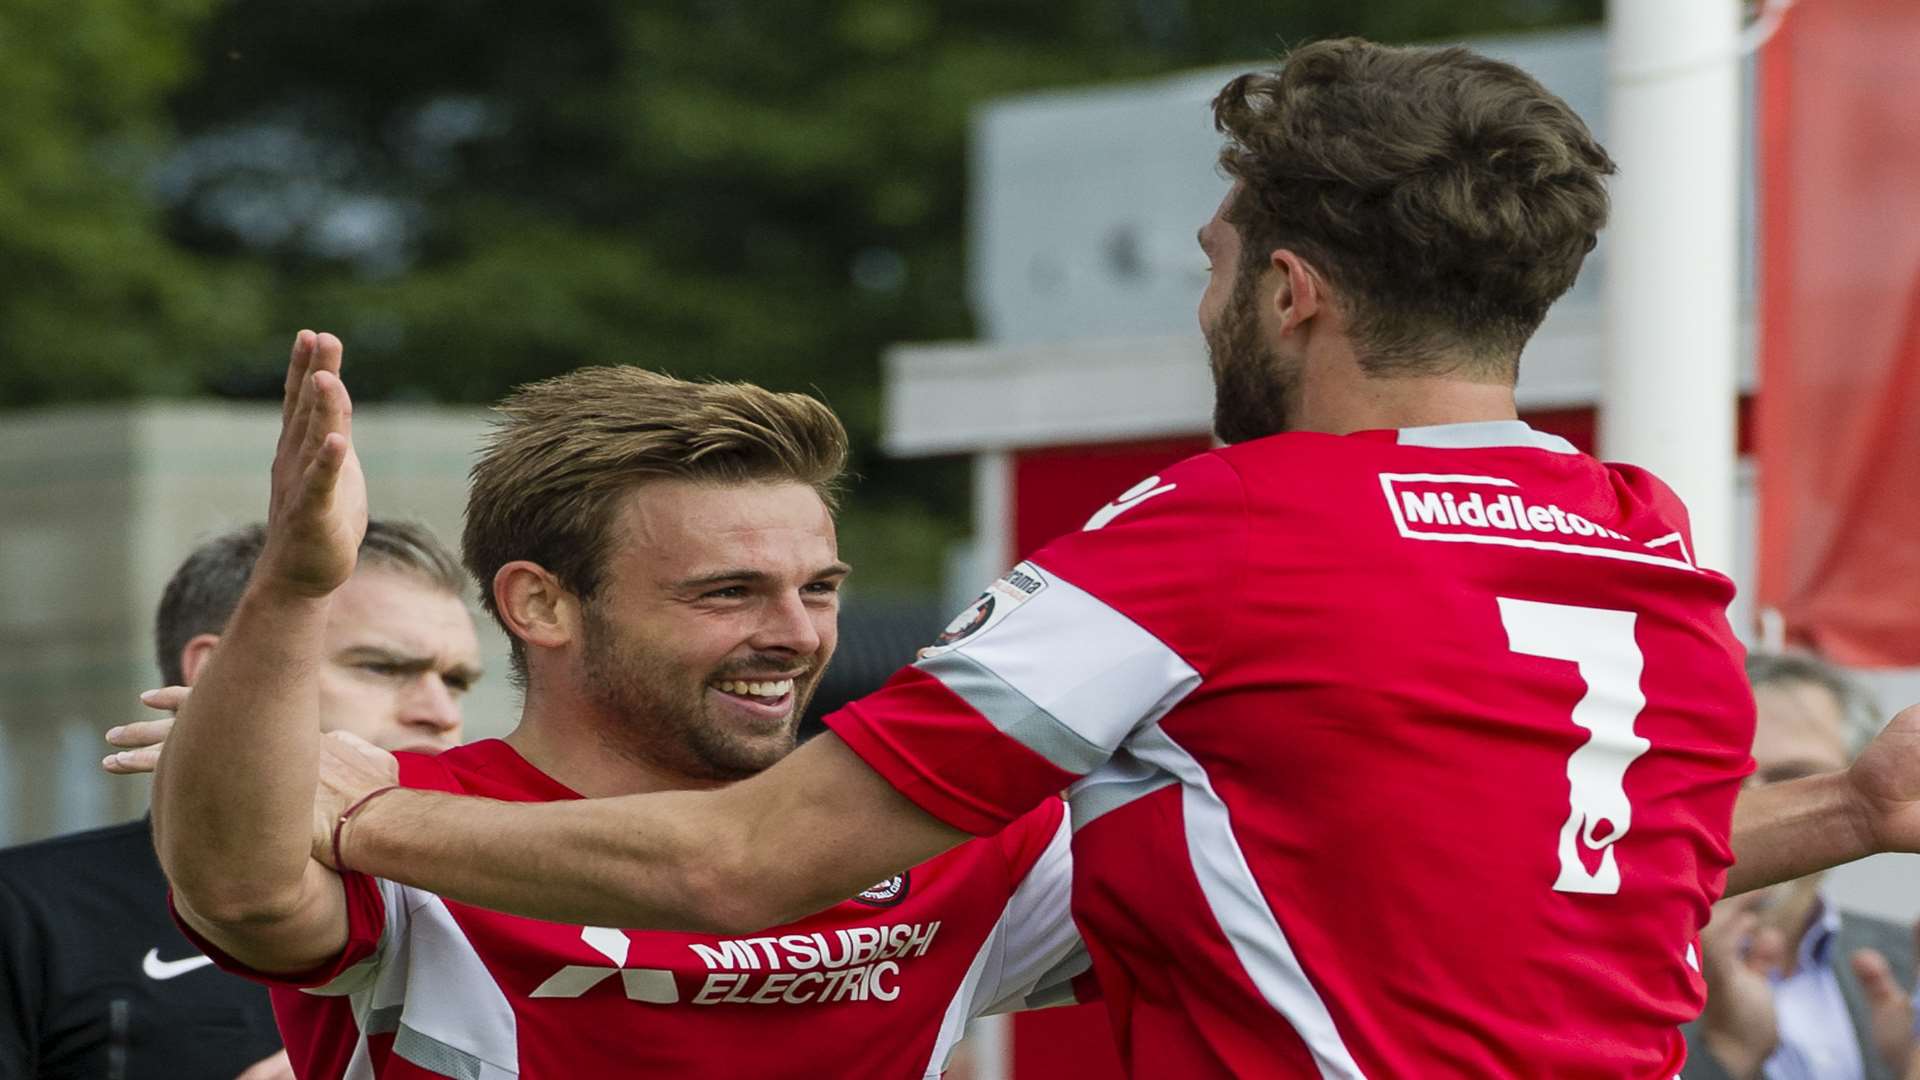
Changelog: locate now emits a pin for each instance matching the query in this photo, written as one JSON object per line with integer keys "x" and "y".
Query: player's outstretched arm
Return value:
{"x": 232, "y": 796}
{"x": 1785, "y": 831}
{"x": 813, "y": 830}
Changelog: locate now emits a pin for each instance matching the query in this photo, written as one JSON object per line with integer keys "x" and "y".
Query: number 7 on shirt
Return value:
{"x": 1601, "y": 645}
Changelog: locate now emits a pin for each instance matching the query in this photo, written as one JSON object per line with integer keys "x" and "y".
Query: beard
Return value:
{"x": 661, "y": 708}
{"x": 1254, "y": 392}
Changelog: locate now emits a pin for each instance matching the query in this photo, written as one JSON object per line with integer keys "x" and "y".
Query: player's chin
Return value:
{"x": 740, "y": 754}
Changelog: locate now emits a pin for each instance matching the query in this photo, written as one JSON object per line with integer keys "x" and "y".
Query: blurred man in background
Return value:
{"x": 95, "y": 980}
{"x": 1797, "y": 989}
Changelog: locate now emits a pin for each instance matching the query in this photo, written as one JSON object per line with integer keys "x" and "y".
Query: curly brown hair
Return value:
{"x": 564, "y": 450}
{"x": 1448, "y": 198}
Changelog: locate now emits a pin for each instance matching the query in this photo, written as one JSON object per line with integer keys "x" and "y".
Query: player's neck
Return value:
{"x": 1347, "y": 401}
{"x": 568, "y": 738}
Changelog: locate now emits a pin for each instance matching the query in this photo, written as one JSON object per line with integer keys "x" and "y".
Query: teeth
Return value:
{"x": 776, "y": 688}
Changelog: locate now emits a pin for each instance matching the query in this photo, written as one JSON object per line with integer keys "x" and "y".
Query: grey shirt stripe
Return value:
{"x": 1090, "y": 802}
{"x": 435, "y": 1056}
{"x": 1014, "y": 713}
{"x": 381, "y": 1021}
{"x": 1056, "y": 986}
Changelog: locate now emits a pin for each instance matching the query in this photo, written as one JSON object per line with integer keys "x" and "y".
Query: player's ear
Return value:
{"x": 535, "y": 606}
{"x": 194, "y": 655}
{"x": 1299, "y": 290}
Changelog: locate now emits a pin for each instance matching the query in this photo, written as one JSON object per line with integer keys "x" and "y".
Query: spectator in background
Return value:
{"x": 1797, "y": 989}
{"x": 95, "y": 980}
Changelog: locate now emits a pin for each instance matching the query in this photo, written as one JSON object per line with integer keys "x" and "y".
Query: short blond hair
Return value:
{"x": 563, "y": 450}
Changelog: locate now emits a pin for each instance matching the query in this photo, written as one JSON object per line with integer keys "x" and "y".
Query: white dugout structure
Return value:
{"x": 102, "y": 503}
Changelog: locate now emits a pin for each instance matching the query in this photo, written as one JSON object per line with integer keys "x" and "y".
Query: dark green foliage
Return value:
{"x": 478, "y": 193}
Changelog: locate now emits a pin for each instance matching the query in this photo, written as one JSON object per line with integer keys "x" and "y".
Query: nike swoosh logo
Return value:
{"x": 162, "y": 970}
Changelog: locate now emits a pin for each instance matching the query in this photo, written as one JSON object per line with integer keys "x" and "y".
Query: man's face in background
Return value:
{"x": 400, "y": 654}
{"x": 1800, "y": 730}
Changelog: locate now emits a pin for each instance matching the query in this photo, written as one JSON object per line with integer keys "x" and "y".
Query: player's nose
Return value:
{"x": 788, "y": 626}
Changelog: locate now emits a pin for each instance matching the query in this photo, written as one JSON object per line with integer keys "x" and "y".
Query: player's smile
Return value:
{"x": 767, "y": 697}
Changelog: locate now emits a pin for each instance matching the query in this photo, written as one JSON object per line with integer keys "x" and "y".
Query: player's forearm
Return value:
{"x": 802, "y": 836}
{"x": 233, "y": 792}
{"x": 637, "y": 862}
{"x": 1789, "y": 830}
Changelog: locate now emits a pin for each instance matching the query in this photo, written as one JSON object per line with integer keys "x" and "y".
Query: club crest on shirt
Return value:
{"x": 887, "y": 893}
{"x": 1016, "y": 587}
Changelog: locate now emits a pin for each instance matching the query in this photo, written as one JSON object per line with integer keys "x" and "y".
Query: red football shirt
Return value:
{"x": 881, "y": 985}
{"x": 1398, "y": 754}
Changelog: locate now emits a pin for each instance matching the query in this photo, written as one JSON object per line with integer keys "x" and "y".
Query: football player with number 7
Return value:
{"x": 1402, "y": 739}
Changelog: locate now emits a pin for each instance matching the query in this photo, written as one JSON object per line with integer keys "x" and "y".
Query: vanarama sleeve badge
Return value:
{"x": 1002, "y": 598}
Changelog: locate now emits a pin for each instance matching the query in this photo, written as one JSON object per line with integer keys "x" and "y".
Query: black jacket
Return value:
{"x": 95, "y": 980}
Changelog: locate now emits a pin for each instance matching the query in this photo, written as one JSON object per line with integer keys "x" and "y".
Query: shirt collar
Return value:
{"x": 1481, "y": 434}
{"x": 1816, "y": 945}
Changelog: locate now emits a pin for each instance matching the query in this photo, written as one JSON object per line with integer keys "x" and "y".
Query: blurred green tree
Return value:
{"x": 95, "y": 300}
{"x": 478, "y": 193}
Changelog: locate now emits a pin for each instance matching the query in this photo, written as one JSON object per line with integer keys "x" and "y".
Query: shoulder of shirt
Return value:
{"x": 1025, "y": 839}
{"x": 1649, "y": 486}
{"x": 1651, "y": 492}
{"x": 1326, "y": 450}
{"x": 489, "y": 768}
{"x": 1209, "y": 477}
{"x": 1224, "y": 476}
{"x": 43, "y": 872}
{"x": 442, "y": 771}
{"x": 53, "y": 850}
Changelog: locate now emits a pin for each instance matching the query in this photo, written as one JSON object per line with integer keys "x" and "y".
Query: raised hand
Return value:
{"x": 139, "y": 743}
{"x": 1889, "y": 1009}
{"x": 1885, "y": 779}
{"x": 317, "y": 512}
{"x": 1739, "y": 1027}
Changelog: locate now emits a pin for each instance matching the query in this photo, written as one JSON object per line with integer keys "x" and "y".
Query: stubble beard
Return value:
{"x": 1254, "y": 393}
{"x": 662, "y": 712}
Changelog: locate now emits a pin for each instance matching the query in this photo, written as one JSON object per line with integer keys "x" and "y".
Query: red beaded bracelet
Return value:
{"x": 340, "y": 822}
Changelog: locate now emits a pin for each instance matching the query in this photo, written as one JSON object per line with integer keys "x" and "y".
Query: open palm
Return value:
{"x": 317, "y": 512}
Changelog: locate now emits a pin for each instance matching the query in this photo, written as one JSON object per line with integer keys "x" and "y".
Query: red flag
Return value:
{"x": 1839, "y": 408}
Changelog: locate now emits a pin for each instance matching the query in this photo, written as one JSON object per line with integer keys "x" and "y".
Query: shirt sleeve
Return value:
{"x": 376, "y": 914}
{"x": 22, "y": 989}
{"x": 1066, "y": 656}
{"x": 367, "y": 931}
